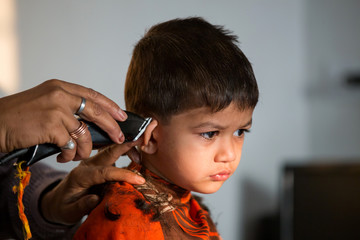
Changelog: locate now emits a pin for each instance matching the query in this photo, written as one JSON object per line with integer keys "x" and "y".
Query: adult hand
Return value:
{"x": 70, "y": 200}
{"x": 45, "y": 114}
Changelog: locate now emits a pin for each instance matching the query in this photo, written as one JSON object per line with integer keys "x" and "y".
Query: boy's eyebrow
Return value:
{"x": 220, "y": 127}
{"x": 249, "y": 123}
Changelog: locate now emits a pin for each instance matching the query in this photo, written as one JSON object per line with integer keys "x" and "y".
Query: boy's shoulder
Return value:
{"x": 119, "y": 217}
{"x": 143, "y": 212}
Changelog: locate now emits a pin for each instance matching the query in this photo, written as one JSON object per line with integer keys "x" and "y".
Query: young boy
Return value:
{"x": 200, "y": 90}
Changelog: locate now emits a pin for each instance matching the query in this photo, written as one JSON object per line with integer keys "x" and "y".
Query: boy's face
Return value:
{"x": 199, "y": 150}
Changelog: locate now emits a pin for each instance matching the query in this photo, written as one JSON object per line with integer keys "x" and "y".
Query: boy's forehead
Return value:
{"x": 204, "y": 114}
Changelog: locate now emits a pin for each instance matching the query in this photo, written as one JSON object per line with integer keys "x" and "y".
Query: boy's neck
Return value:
{"x": 147, "y": 164}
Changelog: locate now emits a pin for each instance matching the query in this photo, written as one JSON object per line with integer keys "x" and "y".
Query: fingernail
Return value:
{"x": 121, "y": 137}
{"x": 140, "y": 180}
{"x": 122, "y": 115}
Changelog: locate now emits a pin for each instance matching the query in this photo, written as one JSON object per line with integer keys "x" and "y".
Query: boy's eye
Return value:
{"x": 209, "y": 135}
{"x": 240, "y": 132}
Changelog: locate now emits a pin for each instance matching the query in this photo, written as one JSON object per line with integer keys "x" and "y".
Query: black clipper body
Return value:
{"x": 133, "y": 127}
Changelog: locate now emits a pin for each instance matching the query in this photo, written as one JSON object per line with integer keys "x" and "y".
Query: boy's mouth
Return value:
{"x": 221, "y": 176}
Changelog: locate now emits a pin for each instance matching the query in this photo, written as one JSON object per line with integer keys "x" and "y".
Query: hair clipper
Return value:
{"x": 133, "y": 127}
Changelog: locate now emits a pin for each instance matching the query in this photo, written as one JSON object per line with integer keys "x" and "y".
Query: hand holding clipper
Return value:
{"x": 132, "y": 128}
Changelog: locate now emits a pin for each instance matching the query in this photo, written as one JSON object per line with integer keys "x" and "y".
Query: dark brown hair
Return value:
{"x": 188, "y": 63}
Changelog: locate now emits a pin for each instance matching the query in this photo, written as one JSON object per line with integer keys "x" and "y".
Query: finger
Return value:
{"x": 66, "y": 155}
{"x": 109, "y": 155}
{"x": 93, "y": 112}
{"x": 110, "y": 106}
{"x": 108, "y": 174}
{"x": 61, "y": 137}
{"x": 84, "y": 147}
{"x": 102, "y": 174}
{"x": 134, "y": 155}
{"x": 98, "y": 109}
{"x": 84, "y": 144}
{"x": 63, "y": 123}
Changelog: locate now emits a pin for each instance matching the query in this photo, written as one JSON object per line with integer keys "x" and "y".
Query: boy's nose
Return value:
{"x": 227, "y": 152}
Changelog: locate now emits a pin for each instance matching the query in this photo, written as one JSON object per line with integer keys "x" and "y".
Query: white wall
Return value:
{"x": 90, "y": 42}
{"x": 333, "y": 52}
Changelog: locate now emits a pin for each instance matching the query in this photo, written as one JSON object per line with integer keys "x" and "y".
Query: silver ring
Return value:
{"x": 82, "y": 106}
{"x": 69, "y": 145}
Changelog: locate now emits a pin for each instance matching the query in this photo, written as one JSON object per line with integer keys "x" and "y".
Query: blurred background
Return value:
{"x": 305, "y": 54}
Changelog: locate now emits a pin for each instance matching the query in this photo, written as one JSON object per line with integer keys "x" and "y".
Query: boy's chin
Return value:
{"x": 213, "y": 188}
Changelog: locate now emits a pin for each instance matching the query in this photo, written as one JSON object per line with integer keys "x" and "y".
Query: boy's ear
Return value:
{"x": 149, "y": 145}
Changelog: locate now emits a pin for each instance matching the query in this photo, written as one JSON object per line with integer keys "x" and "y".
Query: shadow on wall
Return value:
{"x": 257, "y": 224}
{"x": 319, "y": 199}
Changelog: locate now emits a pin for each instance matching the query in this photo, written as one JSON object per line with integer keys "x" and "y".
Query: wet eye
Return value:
{"x": 209, "y": 135}
{"x": 240, "y": 132}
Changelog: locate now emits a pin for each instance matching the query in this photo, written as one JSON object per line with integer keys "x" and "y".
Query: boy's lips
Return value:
{"x": 221, "y": 176}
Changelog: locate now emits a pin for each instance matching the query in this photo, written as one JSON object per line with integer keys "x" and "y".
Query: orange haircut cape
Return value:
{"x": 155, "y": 210}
